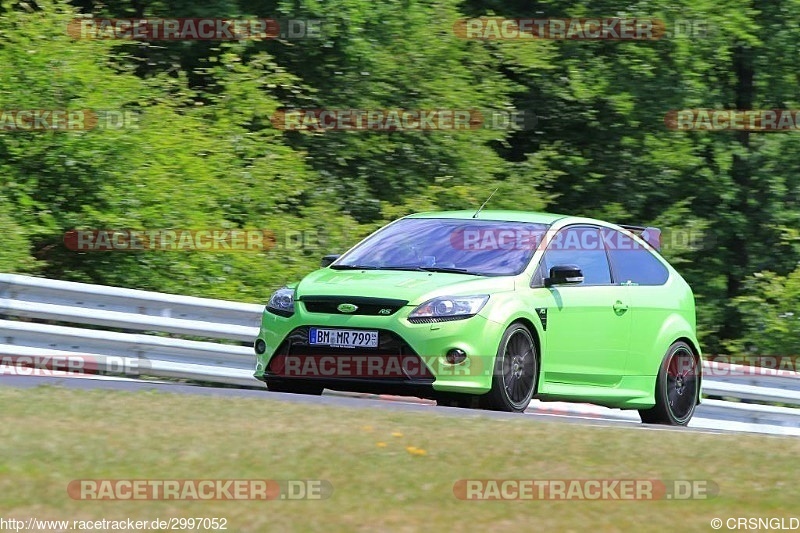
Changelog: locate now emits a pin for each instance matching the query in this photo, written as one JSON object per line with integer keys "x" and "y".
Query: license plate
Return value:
{"x": 347, "y": 338}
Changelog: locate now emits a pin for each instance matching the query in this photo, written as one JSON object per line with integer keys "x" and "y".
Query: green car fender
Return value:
{"x": 677, "y": 328}
{"x": 508, "y": 308}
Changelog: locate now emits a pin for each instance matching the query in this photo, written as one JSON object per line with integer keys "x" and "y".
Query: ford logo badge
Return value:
{"x": 347, "y": 308}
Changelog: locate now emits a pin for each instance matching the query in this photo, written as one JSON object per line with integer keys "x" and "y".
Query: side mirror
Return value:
{"x": 328, "y": 259}
{"x": 564, "y": 275}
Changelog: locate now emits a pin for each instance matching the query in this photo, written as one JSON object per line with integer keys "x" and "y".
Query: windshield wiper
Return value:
{"x": 451, "y": 270}
{"x": 354, "y": 267}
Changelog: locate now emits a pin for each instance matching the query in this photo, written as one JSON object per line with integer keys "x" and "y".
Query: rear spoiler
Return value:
{"x": 650, "y": 235}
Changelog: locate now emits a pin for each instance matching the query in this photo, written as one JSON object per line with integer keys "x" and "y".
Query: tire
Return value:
{"x": 516, "y": 371}
{"x": 676, "y": 388}
{"x": 293, "y": 387}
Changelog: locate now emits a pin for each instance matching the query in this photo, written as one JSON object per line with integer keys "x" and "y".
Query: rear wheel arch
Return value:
{"x": 692, "y": 344}
{"x": 673, "y": 328}
{"x": 696, "y": 352}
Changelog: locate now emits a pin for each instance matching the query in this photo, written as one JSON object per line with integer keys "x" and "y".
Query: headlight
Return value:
{"x": 446, "y": 308}
{"x": 282, "y": 302}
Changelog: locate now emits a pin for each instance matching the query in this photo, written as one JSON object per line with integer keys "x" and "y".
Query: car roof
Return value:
{"x": 494, "y": 214}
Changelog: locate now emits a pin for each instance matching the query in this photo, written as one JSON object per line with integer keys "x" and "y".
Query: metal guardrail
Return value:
{"x": 151, "y": 314}
{"x": 81, "y": 303}
{"x": 155, "y": 314}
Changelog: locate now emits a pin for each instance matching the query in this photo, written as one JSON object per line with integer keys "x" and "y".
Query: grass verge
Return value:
{"x": 390, "y": 470}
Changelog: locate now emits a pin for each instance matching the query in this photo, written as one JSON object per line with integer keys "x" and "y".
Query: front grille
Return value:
{"x": 392, "y": 360}
{"x": 364, "y": 305}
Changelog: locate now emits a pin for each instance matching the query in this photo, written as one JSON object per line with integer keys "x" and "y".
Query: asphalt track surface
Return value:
{"x": 539, "y": 411}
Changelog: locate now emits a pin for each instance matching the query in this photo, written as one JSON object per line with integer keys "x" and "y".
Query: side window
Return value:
{"x": 582, "y": 246}
{"x": 632, "y": 262}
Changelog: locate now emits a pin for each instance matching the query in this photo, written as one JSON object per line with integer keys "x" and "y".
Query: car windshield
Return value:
{"x": 476, "y": 247}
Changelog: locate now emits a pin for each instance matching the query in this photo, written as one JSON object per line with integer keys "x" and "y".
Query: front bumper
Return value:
{"x": 410, "y": 357}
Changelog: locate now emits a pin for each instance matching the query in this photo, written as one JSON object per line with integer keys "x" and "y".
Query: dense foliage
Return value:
{"x": 205, "y": 154}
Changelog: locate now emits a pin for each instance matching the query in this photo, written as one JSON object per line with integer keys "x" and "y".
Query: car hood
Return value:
{"x": 416, "y": 287}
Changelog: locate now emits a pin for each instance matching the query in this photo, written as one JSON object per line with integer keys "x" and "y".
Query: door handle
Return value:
{"x": 620, "y": 307}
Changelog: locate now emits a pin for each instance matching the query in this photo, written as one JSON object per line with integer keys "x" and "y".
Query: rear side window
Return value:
{"x": 632, "y": 262}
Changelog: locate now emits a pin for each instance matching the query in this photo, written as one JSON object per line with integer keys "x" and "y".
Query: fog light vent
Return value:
{"x": 456, "y": 356}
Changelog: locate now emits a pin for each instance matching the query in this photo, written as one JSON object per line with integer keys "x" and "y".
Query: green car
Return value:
{"x": 492, "y": 309}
